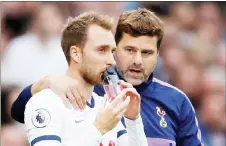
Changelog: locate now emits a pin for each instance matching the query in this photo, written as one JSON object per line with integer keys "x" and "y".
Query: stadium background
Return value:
{"x": 192, "y": 56}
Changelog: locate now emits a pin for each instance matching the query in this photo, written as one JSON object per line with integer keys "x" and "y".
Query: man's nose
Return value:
{"x": 111, "y": 60}
{"x": 137, "y": 59}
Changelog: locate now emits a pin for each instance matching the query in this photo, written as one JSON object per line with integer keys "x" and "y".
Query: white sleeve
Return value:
{"x": 135, "y": 134}
{"x": 122, "y": 136}
{"x": 43, "y": 119}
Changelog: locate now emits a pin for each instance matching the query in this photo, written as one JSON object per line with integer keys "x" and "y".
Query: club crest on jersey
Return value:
{"x": 161, "y": 114}
{"x": 41, "y": 118}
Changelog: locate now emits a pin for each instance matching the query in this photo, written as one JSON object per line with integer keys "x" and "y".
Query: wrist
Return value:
{"x": 136, "y": 121}
{"x": 45, "y": 83}
{"x": 133, "y": 118}
{"x": 101, "y": 130}
{"x": 40, "y": 85}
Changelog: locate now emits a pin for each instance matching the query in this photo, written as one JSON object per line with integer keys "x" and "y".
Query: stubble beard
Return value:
{"x": 90, "y": 76}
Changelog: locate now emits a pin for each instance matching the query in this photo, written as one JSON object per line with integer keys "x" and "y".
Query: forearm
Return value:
{"x": 40, "y": 85}
{"x": 135, "y": 130}
{"x": 18, "y": 107}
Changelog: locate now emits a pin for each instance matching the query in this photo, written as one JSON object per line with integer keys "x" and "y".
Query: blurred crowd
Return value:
{"x": 192, "y": 55}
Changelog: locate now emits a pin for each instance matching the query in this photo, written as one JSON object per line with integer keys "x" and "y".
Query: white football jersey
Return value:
{"x": 50, "y": 123}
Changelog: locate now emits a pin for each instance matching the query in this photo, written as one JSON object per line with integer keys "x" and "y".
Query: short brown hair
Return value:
{"x": 139, "y": 22}
{"x": 75, "y": 30}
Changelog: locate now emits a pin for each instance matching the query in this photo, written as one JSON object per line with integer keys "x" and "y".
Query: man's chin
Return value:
{"x": 97, "y": 80}
{"x": 99, "y": 83}
{"x": 134, "y": 81}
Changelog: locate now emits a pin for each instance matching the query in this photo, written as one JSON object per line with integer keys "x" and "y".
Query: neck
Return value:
{"x": 84, "y": 88}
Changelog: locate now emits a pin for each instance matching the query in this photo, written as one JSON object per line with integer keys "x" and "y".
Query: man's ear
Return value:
{"x": 76, "y": 54}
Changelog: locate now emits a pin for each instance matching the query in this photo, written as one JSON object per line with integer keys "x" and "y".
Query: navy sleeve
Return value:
{"x": 189, "y": 133}
{"x": 18, "y": 107}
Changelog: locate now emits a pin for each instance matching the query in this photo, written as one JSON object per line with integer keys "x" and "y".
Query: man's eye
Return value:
{"x": 147, "y": 52}
{"x": 102, "y": 50}
{"x": 129, "y": 50}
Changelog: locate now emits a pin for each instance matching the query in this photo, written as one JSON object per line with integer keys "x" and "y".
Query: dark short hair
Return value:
{"x": 138, "y": 23}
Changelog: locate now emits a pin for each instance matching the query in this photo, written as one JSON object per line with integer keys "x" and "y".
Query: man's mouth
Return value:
{"x": 135, "y": 71}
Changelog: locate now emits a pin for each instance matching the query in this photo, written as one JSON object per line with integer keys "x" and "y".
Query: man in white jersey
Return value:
{"x": 87, "y": 42}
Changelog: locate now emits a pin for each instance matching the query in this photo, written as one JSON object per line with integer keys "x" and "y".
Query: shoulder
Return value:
{"x": 43, "y": 108}
{"x": 44, "y": 99}
{"x": 44, "y": 117}
{"x": 166, "y": 89}
{"x": 170, "y": 95}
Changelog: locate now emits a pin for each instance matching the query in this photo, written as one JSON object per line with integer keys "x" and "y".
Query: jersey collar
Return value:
{"x": 92, "y": 103}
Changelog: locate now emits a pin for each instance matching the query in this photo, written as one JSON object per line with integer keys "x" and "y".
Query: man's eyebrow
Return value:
{"x": 107, "y": 47}
{"x": 148, "y": 50}
{"x": 104, "y": 46}
{"x": 132, "y": 47}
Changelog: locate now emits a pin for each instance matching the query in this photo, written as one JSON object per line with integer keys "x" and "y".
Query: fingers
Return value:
{"x": 124, "y": 84}
{"x": 71, "y": 98}
{"x": 118, "y": 111}
{"x": 118, "y": 99}
{"x": 121, "y": 97}
{"x": 119, "y": 116}
{"x": 80, "y": 99}
{"x": 122, "y": 107}
{"x": 75, "y": 98}
{"x": 133, "y": 94}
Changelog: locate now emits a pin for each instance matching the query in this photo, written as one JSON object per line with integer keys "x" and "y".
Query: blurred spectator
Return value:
{"x": 113, "y": 9}
{"x": 17, "y": 16}
{"x": 220, "y": 57}
{"x": 214, "y": 79}
{"x": 174, "y": 59}
{"x": 188, "y": 79}
{"x": 171, "y": 33}
{"x": 4, "y": 43}
{"x": 13, "y": 135}
{"x": 212, "y": 119}
{"x": 160, "y": 8}
{"x": 37, "y": 53}
{"x": 8, "y": 96}
{"x": 185, "y": 14}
